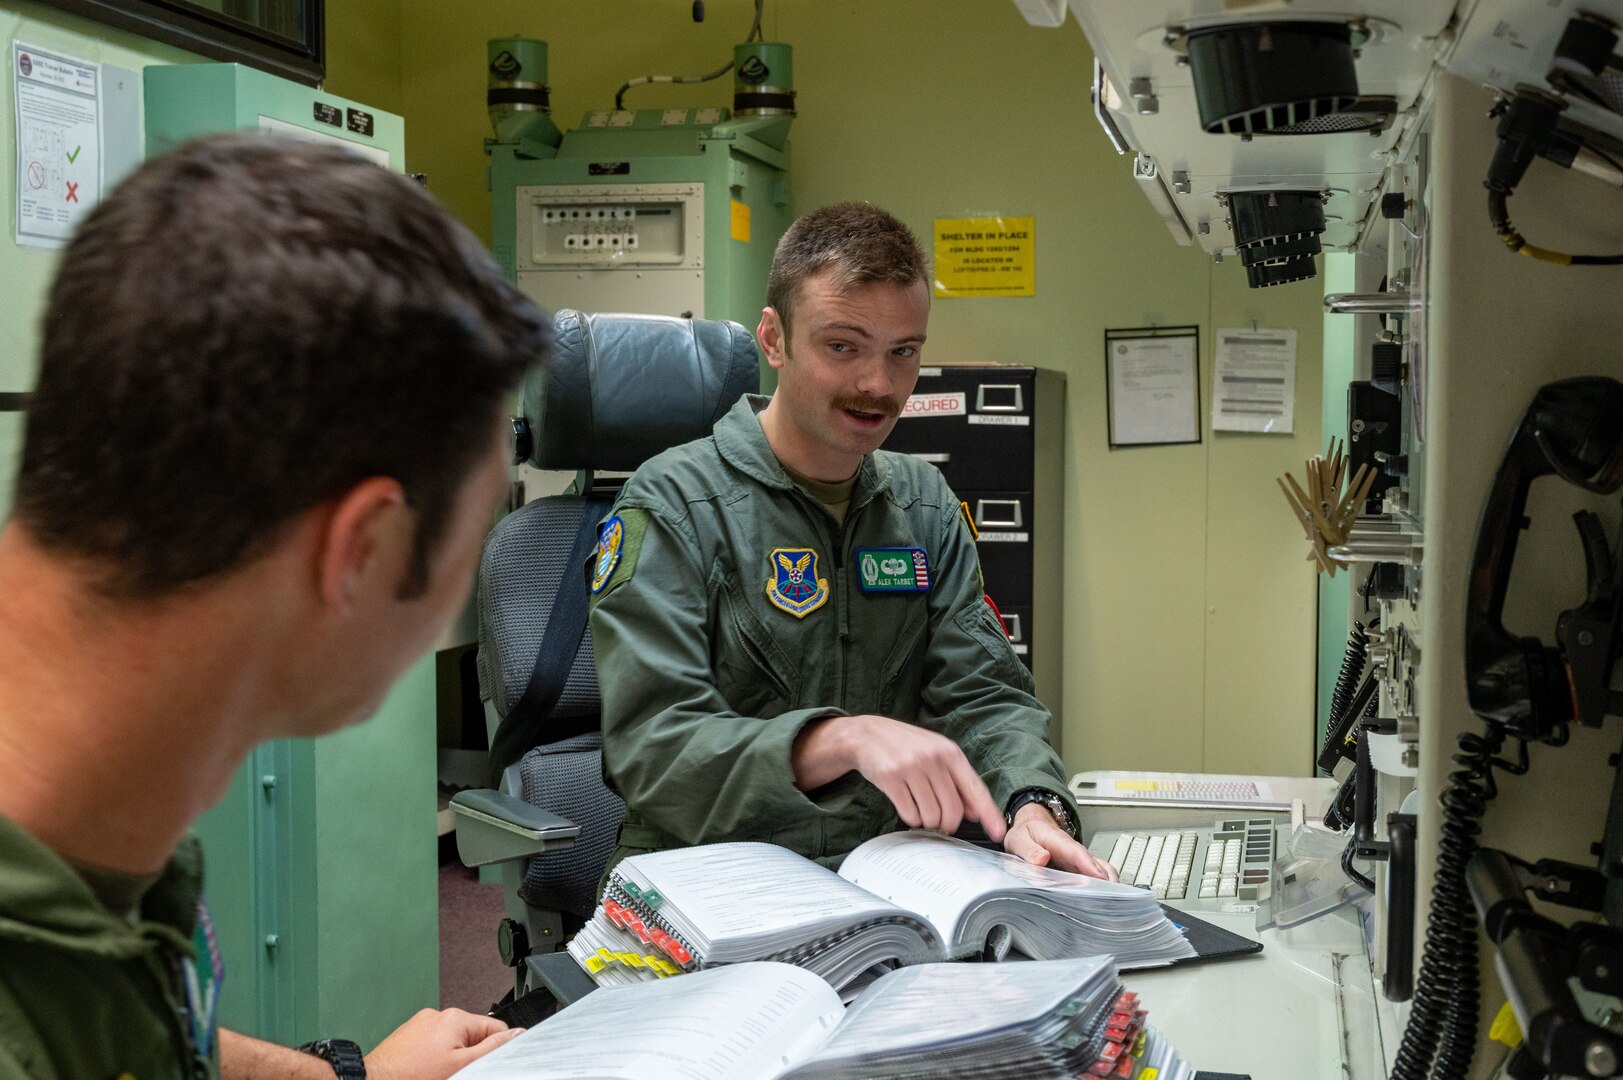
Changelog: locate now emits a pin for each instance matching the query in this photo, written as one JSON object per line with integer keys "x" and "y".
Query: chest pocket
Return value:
{"x": 755, "y": 676}
{"x": 902, "y": 672}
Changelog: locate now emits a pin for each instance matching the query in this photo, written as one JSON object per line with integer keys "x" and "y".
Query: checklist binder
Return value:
{"x": 1045, "y": 1020}
{"x": 900, "y": 899}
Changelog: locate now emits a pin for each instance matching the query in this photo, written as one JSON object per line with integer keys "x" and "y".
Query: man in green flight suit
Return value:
{"x": 262, "y": 454}
{"x": 792, "y": 637}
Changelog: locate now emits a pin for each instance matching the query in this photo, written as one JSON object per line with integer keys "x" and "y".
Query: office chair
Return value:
{"x": 615, "y": 391}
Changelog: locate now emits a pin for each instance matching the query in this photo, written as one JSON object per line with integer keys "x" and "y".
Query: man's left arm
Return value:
{"x": 432, "y": 1045}
{"x": 978, "y": 693}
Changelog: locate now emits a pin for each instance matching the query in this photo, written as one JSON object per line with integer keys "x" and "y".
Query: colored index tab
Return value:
{"x": 652, "y": 898}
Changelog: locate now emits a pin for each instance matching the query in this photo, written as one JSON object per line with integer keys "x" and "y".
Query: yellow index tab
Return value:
{"x": 1505, "y": 1029}
{"x": 1149, "y": 1074}
{"x": 595, "y": 964}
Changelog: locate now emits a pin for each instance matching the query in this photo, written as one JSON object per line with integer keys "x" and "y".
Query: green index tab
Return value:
{"x": 652, "y": 898}
{"x": 893, "y": 570}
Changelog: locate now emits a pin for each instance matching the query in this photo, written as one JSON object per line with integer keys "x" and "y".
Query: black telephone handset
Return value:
{"x": 1573, "y": 429}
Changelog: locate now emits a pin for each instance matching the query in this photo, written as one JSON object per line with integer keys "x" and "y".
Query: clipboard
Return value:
{"x": 1210, "y": 942}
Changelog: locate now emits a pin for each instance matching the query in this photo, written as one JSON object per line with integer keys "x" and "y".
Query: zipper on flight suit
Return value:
{"x": 754, "y": 652}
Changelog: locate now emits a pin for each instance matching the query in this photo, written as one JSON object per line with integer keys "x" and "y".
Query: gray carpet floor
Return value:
{"x": 472, "y": 975}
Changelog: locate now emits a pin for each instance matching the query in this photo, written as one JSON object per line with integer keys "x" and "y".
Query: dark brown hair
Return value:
{"x": 245, "y": 328}
{"x": 861, "y": 243}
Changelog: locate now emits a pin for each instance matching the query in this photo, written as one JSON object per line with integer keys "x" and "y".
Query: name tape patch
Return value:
{"x": 893, "y": 570}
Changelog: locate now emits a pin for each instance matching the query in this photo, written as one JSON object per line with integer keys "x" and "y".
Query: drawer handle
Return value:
{"x": 998, "y": 513}
{"x": 933, "y": 459}
{"x": 1019, "y": 398}
{"x": 1011, "y": 626}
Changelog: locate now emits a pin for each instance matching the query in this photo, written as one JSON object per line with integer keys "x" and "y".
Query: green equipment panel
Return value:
{"x": 657, "y": 211}
{"x": 322, "y": 859}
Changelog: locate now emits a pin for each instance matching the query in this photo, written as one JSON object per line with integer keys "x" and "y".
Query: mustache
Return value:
{"x": 883, "y": 406}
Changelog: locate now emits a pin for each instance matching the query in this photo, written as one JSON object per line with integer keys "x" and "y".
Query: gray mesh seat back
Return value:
{"x": 614, "y": 391}
{"x": 523, "y": 564}
{"x": 567, "y": 778}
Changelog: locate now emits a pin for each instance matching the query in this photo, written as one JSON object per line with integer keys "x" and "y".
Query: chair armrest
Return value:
{"x": 493, "y": 827}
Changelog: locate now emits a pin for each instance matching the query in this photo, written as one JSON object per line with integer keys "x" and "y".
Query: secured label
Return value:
{"x": 934, "y": 405}
{"x": 893, "y": 570}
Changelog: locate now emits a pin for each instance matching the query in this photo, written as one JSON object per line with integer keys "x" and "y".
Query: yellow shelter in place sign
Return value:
{"x": 995, "y": 256}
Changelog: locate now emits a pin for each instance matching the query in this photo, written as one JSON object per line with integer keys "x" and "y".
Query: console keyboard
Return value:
{"x": 1228, "y": 863}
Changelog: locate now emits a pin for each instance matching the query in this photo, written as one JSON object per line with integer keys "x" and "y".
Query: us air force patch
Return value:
{"x": 893, "y": 570}
{"x": 794, "y": 586}
{"x": 609, "y": 543}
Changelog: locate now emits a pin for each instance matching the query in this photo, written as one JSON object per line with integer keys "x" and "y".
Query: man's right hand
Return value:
{"x": 925, "y": 775}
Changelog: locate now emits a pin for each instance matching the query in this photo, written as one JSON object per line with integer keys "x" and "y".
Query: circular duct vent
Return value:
{"x": 1276, "y": 234}
{"x": 1286, "y": 78}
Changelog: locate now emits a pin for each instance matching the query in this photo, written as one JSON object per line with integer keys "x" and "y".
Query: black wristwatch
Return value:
{"x": 1054, "y": 803}
{"x": 343, "y": 1055}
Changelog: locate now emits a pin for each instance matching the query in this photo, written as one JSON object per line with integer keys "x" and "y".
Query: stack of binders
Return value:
{"x": 1047, "y": 1020}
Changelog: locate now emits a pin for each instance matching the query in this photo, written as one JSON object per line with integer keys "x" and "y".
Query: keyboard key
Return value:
{"x": 1226, "y": 887}
{"x": 1118, "y": 853}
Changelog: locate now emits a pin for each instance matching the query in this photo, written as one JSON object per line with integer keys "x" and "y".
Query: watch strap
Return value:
{"x": 1053, "y": 803}
{"x": 345, "y": 1057}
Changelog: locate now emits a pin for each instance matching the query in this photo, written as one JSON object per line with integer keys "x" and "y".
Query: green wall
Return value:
{"x": 1190, "y": 609}
{"x": 26, "y": 272}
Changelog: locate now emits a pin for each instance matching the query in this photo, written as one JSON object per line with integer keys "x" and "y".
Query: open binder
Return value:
{"x": 900, "y": 899}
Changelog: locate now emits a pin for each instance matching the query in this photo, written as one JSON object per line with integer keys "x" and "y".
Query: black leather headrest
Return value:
{"x": 617, "y": 389}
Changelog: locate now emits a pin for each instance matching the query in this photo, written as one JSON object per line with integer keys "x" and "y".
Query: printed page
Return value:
{"x": 748, "y": 889}
{"x": 933, "y": 1005}
{"x": 743, "y": 1022}
{"x": 939, "y": 877}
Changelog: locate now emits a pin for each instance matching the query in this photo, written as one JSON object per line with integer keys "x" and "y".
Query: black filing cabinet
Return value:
{"x": 995, "y": 431}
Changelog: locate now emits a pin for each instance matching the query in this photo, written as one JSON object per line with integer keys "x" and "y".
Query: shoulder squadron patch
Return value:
{"x": 794, "y": 586}
{"x": 893, "y": 570}
{"x": 610, "y": 542}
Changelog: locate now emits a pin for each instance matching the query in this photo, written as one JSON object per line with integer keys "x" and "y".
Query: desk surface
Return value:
{"x": 1305, "y": 1008}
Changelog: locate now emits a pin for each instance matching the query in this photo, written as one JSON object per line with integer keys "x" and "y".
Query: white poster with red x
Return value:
{"x": 59, "y": 167}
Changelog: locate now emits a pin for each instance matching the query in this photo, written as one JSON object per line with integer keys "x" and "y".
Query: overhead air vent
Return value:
{"x": 1275, "y": 78}
{"x": 1276, "y": 234}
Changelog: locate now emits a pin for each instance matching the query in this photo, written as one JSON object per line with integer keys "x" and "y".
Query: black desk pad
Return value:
{"x": 1210, "y": 942}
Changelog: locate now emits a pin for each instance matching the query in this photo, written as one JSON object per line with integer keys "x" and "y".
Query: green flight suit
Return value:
{"x": 86, "y": 994}
{"x": 707, "y": 675}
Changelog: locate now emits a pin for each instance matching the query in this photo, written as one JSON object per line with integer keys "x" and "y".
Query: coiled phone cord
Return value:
{"x": 1440, "y": 1038}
